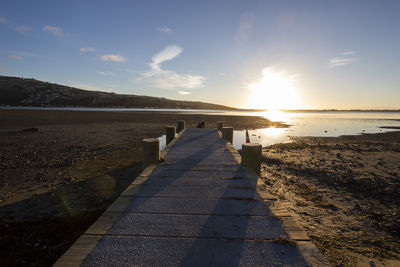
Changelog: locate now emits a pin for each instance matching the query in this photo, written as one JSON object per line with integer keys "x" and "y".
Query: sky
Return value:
{"x": 250, "y": 54}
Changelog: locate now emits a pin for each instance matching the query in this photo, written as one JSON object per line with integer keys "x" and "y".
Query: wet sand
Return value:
{"x": 345, "y": 192}
{"x": 56, "y": 181}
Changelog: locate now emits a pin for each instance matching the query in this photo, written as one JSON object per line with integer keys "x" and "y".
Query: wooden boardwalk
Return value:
{"x": 197, "y": 208}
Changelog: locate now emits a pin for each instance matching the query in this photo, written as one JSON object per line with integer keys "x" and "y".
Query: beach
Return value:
{"x": 344, "y": 191}
{"x": 60, "y": 170}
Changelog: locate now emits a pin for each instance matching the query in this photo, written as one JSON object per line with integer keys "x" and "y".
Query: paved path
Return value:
{"x": 197, "y": 208}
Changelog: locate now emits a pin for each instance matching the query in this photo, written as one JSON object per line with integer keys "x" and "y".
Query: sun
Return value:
{"x": 275, "y": 90}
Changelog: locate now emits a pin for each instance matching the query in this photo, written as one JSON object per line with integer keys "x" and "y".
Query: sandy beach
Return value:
{"x": 344, "y": 191}
{"x": 56, "y": 181}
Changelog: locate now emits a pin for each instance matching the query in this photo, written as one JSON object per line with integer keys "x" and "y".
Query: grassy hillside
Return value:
{"x": 16, "y": 91}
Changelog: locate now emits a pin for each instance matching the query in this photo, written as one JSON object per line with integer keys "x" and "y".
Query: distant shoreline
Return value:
{"x": 83, "y": 108}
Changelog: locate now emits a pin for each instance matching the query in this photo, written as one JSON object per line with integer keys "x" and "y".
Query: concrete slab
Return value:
{"x": 199, "y": 173}
{"x": 205, "y": 226}
{"x": 136, "y": 251}
{"x": 199, "y": 167}
{"x": 196, "y": 182}
{"x": 192, "y": 192}
{"x": 198, "y": 206}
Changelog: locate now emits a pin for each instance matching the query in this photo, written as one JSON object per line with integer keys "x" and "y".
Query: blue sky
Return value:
{"x": 336, "y": 54}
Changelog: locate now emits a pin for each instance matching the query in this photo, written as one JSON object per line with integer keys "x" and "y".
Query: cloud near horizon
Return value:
{"x": 346, "y": 53}
{"x": 16, "y": 57}
{"x": 342, "y": 60}
{"x": 184, "y": 93}
{"x": 106, "y": 73}
{"x": 86, "y": 49}
{"x": 86, "y": 86}
{"x": 113, "y": 57}
{"x": 164, "y": 29}
{"x": 167, "y": 79}
{"x": 55, "y": 31}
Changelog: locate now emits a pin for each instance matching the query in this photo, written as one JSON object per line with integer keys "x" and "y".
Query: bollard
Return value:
{"x": 227, "y": 134}
{"x": 251, "y": 157}
{"x": 220, "y": 124}
{"x": 169, "y": 134}
{"x": 180, "y": 126}
{"x": 150, "y": 151}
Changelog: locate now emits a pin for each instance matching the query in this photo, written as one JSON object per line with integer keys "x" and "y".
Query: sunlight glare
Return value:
{"x": 275, "y": 90}
{"x": 275, "y": 115}
{"x": 272, "y": 132}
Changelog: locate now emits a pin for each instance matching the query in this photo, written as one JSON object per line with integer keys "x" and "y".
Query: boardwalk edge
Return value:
{"x": 81, "y": 248}
{"x": 307, "y": 249}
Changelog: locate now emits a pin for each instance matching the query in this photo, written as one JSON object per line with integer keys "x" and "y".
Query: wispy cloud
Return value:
{"x": 168, "y": 53}
{"x": 25, "y": 54}
{"x": 167, "y": 79}
{"x": 86, "y": 49}
{"x": 106, "y": 73}
{"x": 17, "y": 28}
{"x": 184, "y": 93}
{"x": 344, "y": 59}
{"x": 16, "y": 57}
{"x": 23, "y": 29}
{"x": 113, "y": 57}
{"x": 346, "y": 53}
{"x": 55, "y": 30}
{"x": 164, "y": 29}
{"x": 246, "y": 22}
{"x": 4, "y": 20}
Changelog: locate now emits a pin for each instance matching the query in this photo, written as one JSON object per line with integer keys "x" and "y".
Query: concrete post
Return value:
{"x": 169, "y": 134}
{"x": 227, "y": 134}
{"x": 220, "y": 124}
{"x": 150, "y": 151}
{"x": 180, "y": 126}
{"x": 251, "y": 157}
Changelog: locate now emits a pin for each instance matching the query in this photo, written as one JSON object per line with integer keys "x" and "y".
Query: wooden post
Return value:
{"x": 251, "y": 157}
{"x": 150, "y": 151}
{"x": 220, "y": 124}
{"x": 180, "y": 126}
{"x": 169, "y": 134}
{"x": 227, "y": 134}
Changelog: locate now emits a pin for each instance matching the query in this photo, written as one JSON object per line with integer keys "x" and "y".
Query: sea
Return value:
{"x": 299, "y": 123}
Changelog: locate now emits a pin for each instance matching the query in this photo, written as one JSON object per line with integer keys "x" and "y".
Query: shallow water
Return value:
{"x": 302, "y": 123}
{"x": 332, "y": 123}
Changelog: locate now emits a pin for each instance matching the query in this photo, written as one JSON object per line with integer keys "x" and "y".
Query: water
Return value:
{"x": 312, "y": 123}
{"x": 333, "y": 123}
{"x": 302, "y": 123}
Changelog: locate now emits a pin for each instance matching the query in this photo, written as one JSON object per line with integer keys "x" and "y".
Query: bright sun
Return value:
{"x": 275, "y": 90}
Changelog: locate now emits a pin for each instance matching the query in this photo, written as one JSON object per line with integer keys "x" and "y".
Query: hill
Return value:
{"x": 15, "y": 91}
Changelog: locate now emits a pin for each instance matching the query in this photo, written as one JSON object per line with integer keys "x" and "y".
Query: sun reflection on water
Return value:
{"x": 275, "y": 115}
{"x": 272, "y": 132}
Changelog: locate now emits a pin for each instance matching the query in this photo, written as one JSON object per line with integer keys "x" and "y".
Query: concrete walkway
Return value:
{"x": 197, "y": 208}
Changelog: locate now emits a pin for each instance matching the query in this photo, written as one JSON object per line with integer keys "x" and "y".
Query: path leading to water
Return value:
{"x": 197, "y": 208}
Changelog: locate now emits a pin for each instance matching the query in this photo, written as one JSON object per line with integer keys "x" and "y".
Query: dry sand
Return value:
{"x": 344, "y": 191}
{"x": 56, "y": 181}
